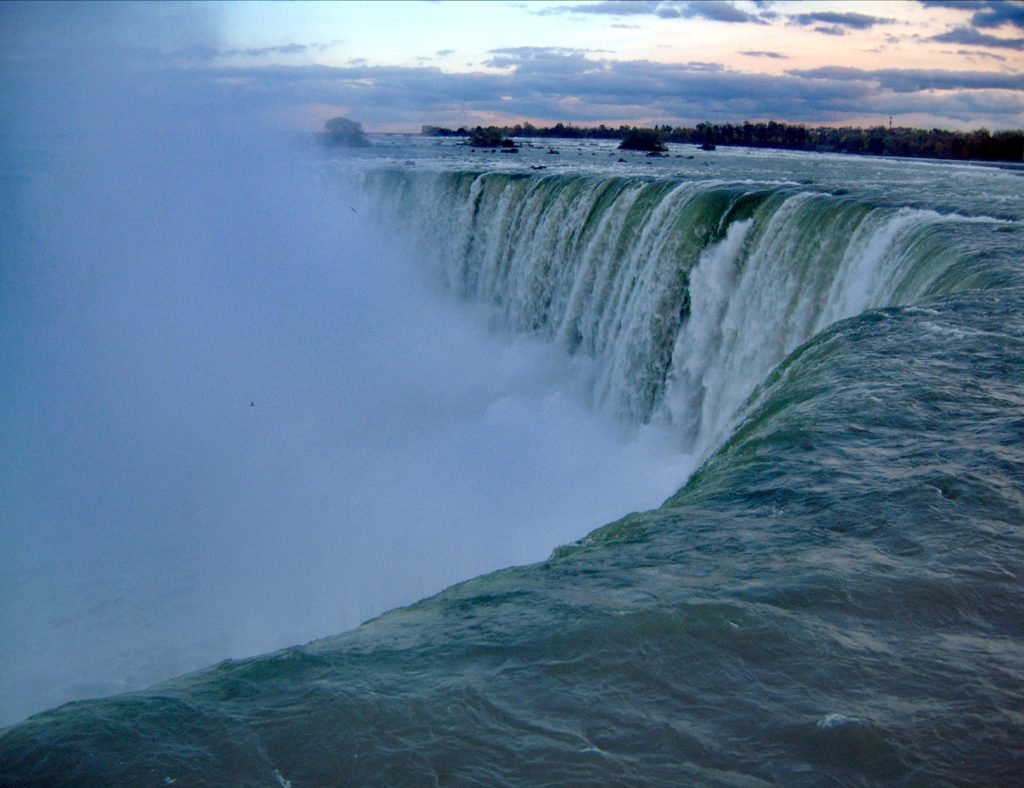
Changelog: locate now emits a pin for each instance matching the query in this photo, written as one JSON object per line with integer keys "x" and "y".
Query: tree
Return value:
{"x": 643, "y": 139}
{"x": 342, "y": 131}
{"x": 490, "y": 137}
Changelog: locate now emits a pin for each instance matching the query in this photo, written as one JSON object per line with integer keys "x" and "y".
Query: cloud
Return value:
{"x": 998, "y": 14}
{"x": 424, "y": 58}
{"x": 713, "y": 10}
{"x": 916, "y": 80}
{"x": 985, "y": 13}
{"x": 763, "y": 53}
{"x": 973, "y": 53}
{"x": 285, "y": 49}
{"x": 529, "y": 53}
{"x": 700, "y": 65}
{"x": 526, "y": 59}
{"x": 611, "y": 7}
{"x": 970, "y": 37}
{"x": 555, "y": 84}
{"x": 213, "y": 53}
{"x": 832, "y": 21}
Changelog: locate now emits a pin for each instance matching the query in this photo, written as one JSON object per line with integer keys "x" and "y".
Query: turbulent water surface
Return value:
{"x": 836, "y": 345}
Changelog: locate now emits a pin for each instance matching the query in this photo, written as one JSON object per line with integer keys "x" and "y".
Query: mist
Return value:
{"x": 236, "y": 415}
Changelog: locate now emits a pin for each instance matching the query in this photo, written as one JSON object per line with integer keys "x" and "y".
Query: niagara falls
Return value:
{"x": 429, "y": 394}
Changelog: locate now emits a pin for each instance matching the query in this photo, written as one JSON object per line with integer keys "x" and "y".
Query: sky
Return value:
{"x": 397, "y": 65}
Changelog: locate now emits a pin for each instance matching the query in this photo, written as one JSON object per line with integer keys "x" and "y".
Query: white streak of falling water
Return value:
{"x": 755, "y": 301}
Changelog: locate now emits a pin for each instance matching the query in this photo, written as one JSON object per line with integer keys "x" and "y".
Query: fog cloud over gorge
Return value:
{"x": 234, "y": 414}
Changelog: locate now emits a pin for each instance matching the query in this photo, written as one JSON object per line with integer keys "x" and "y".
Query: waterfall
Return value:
{"x": 687, "y": 293}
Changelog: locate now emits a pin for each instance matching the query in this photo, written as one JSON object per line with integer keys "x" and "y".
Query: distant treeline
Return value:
{"x": 980, "y": 145}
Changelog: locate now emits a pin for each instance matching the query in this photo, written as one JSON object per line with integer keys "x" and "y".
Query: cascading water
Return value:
{"x": 687, "y": 293}
{"x": 760, "y": 293}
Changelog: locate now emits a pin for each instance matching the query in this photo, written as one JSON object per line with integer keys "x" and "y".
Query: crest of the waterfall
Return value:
{"x": 881, "y": 255}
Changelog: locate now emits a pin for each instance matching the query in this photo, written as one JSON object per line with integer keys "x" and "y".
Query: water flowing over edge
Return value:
{"x": 687, "y": 293}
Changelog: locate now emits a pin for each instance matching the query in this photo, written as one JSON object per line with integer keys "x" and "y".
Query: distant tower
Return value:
{"x": 890, "y": 123}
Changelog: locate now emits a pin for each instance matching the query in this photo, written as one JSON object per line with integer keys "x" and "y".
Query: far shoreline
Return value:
{"x": 981, "y": 146}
